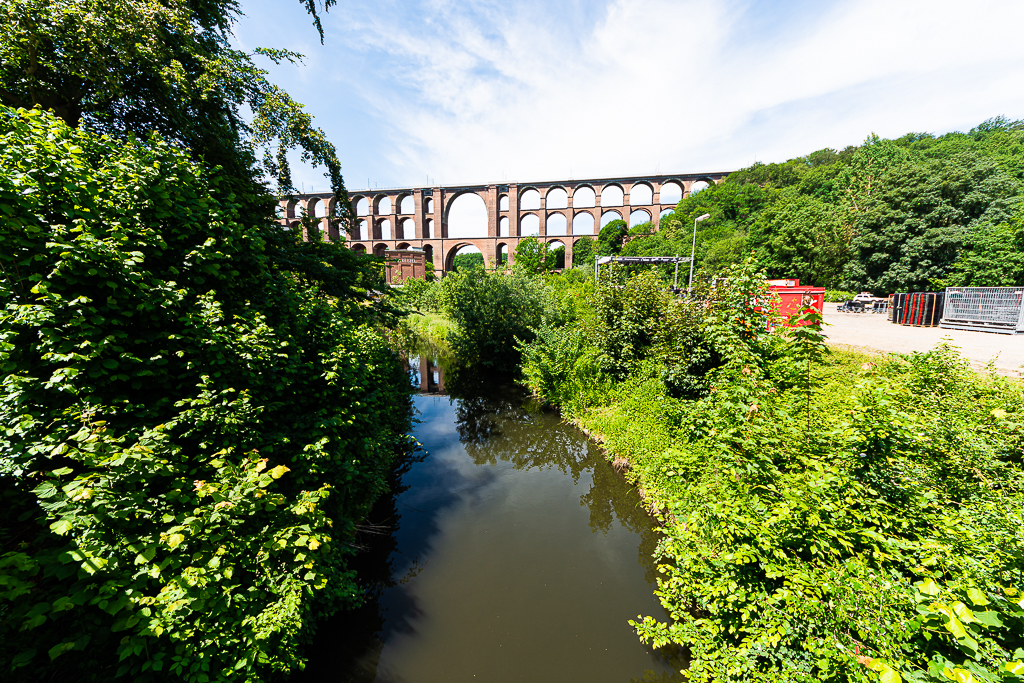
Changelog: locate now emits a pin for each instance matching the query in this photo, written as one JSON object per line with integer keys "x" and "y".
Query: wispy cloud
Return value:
{"x": 481, "y": 90}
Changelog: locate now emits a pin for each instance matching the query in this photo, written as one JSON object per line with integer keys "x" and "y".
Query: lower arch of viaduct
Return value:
{"x": 418, "y": 217}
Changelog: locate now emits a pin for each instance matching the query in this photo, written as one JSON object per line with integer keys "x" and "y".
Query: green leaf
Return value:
{"x": 954, "y": 626}
{"x": 977, "y": 597}
{"x": 929, "y": 587}
{"x": 58, "y": 650}
{"x": 889, "y": 676}
{"x": 62, "y": 526}
{"x": 989, "y": 618}
{"x": 278, "y": 471}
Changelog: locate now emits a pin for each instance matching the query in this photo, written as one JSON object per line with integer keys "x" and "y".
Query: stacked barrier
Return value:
{"x": 919, "y": 309}
{"x": 986, "y": 309}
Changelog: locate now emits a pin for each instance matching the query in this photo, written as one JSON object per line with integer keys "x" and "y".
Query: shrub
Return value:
{"x": 194, "y": 414}
{"x": 492, "y": 313}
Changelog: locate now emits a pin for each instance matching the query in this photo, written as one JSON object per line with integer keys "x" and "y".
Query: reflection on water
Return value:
{"x": 508, "y": 550}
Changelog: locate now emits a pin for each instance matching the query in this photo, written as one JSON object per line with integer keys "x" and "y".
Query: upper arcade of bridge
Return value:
{"x": 561, "y": 211}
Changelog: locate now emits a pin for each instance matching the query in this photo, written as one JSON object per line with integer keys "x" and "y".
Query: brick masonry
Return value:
{"x": 424, "y": 223}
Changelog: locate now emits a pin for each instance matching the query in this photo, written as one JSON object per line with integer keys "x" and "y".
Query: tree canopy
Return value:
{"x": 915, "y": 213}
{"x": 137, "y": 66}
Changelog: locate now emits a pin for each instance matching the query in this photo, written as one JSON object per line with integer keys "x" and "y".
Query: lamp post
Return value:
{"x": 693, "y": 249}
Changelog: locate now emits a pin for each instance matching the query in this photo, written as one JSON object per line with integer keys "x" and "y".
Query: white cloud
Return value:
{"x": 482, "y": 91}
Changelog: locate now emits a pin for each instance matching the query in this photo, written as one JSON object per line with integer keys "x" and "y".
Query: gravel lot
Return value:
{"x": 873, "y": 332}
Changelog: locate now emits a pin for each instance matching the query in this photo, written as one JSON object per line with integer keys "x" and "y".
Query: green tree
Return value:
{"x": 583, "y": 252}
{"x": 137, "y": 66}
{"x": 467, "y": 261}
{"x": 800, "y": 236}
{"x": 534, "y": 256}
{"x": 611, "y": 238}
{"x": 492, "y": 313}
{"x": 912, "y": 228}
{"x": 994, "y": 257}
{"x": 195, "y": 412}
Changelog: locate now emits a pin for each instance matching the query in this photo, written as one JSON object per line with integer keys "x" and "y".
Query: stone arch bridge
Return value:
{"x": 557, "y": 212}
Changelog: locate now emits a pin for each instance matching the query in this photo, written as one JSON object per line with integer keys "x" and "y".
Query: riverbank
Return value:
{"x": 779, "y": 533}
{"x": 821, "y": 508}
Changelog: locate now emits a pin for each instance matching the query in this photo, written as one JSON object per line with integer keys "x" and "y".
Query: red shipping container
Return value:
{"x": 793, "y": 298}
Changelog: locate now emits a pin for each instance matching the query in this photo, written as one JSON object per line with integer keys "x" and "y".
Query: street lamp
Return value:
{"x": 693, "y": 248}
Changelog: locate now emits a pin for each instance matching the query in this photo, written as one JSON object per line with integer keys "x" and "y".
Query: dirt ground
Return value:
{"x": 873, "y": 332}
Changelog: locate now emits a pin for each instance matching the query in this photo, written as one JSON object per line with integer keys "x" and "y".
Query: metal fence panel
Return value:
{"x": 990, "y": 309}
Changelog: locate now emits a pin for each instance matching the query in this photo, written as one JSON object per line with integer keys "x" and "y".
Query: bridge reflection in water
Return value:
{"x": 557, "y": 212}
{"x": 426, "y": 374}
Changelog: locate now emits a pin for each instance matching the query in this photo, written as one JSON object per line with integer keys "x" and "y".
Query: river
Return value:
{"x": 508, "y": 550}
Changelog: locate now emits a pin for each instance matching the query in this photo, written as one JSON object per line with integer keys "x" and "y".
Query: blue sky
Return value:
{"x": 490, "y": 90}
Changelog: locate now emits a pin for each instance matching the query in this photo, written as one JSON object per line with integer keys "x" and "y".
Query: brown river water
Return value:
{"x": 508, "y": 550}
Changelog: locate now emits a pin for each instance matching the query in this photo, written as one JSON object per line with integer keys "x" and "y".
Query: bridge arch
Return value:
{"x": 556, "y": 198}
{"x": 529, "y": 224}
{"x": 638, "y": 217}
{"x": 584, "y": 196}
{"x": 449, "y": 259}
{"x": 362, "y": 205}
{"x": 503, "y": 202}
{"x": 695, "y": 185}
{"x": 381, "y": 205}
{"x": 641, "y": 194}
{"x": 609, "y": 216}
{"x": 403, "y": 245}
{"x": 501, "y": 254}
{"x": 583, "y": 223}
{"x": 359, "y": 248}
{"x": 671, "y": 192}
{"x": 529, "y": 199}
{"x": 406, "y": 204}
{"x": 555, "y": 244}
{"x": 379, "y": 249}
{"x": 556, "y": 223}
{"x": 407, "y": 229}
{"x": 474, "y": 211}
{"x": 612, "y": 195}
{"x": 315, "y": 208}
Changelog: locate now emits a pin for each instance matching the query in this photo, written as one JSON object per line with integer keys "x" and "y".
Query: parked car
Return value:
{"x": 864, "y": 296}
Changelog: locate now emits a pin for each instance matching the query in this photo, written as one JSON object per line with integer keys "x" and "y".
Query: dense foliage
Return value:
{"x": 916, "y": 213}
{"x": 195, "y": 409}
{"x": 137, "y": 66}
{"x": 485, "y": 314}
{"x": 533, "y": 256}
{"x": 826, "y": 517}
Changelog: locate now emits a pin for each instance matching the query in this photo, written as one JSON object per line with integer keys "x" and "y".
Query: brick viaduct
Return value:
{"x": 556, "y": 212}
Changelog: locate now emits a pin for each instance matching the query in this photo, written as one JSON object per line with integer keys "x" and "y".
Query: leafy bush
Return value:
{"x": 837, "y": 295}
{"x": 491, "y": 313}
{"x": 826, "y": 516}
{"x": 418, "y": 294}
{"x": 195, "y": 412}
